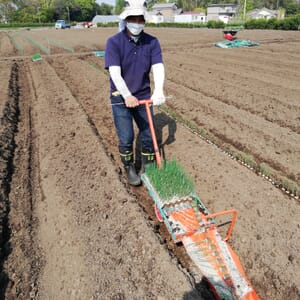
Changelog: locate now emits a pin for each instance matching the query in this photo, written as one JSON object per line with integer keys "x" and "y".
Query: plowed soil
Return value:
{"x": 70, "y": 225}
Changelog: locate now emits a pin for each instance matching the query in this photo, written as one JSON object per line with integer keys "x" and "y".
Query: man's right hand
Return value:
{"x": 131, "y": 101}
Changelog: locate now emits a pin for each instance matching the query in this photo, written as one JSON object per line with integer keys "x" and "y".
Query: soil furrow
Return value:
{"x": 9, "y": 124}
{"x": 274, "y": 108}
{"x": 72, "y": 164}
{"x": 23, "y": 262}
{"x": 103, "y": 124}
{"x": 210, "y": 113}
{"x": 262, "y": 62}
{"x": 77, "y": 230}
{"x": 251, "y": 77}
{"x": 5, "y": 72}
{"x": 6, "y": 46}
{"x": 228, "y": 194}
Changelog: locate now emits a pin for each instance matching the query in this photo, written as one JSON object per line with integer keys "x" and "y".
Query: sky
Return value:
{"x": 110, "y": 2}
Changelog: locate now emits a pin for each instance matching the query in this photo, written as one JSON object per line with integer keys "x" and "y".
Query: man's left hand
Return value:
{"x": 158, "y": 97}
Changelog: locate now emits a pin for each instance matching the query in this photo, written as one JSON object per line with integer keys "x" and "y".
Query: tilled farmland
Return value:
{"x": 70, "y": 225}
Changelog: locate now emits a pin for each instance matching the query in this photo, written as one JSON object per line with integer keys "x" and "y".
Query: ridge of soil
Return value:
{"x": 72, "y": 228}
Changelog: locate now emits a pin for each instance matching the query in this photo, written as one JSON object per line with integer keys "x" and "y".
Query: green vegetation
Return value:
{"x": 264, "y": 169}
{"x": 24, "y": 25}
{"x": 163, "y": 24}
{"x": 108, "y": 24}
{"x": 32, "y": 13}
{"x": 34, "y": 43}
{"x": 246, "y": 159}
{"x": 187, "y": 123}
{"x": 203, "y": 132}
{"x": 16, "y": 44}
{"x": 36, "y": 13}
{"x": 119, "y": 6}
{"x": 291, "y": 186}
{"x": 215, "y": 24}
{"x": 51, "y": 42}
{"x": 289, "y": 23}
{"x": 170, "y": 181}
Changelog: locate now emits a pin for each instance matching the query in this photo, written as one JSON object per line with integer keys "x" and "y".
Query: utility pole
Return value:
{"x": 39, "y": 14}
{"x": 68, "y": 13}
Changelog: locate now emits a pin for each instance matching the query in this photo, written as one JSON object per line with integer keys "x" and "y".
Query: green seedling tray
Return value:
{"x": 99, "y": 53}
{"x": 36, "y": 57}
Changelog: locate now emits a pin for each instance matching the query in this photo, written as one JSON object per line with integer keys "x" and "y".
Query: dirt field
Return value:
{"x": 70, "y": 226}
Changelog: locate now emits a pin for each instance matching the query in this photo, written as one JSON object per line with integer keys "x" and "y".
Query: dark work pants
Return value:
{"x": 123, "y": 119}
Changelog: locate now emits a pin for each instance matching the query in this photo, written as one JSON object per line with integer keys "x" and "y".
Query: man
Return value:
{"x": 129, "y": 56}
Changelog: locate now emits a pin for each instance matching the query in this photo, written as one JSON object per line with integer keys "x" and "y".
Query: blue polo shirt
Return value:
{"x": 135, "y": 60}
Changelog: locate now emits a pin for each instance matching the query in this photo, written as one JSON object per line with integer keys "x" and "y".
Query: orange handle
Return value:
{"x": 155, "y": 146}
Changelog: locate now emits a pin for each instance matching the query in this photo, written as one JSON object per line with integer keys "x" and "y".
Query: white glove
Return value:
{"x": 158, "y": 97}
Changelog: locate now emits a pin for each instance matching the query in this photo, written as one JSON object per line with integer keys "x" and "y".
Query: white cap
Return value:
{"x": 134, "y": 8}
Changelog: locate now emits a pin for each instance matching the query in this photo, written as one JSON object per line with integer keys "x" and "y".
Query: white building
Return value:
{"x": 190, "y": 17}
{"x": 165, "y": 11}
{"x": 221, "y": 12}
{"x": 105, "y": 19}
{"x": 156, "y": 17}
{"x": 263, "y": 13}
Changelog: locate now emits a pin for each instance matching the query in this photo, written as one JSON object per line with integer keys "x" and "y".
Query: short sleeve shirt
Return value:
{"x": 135, "y": 60}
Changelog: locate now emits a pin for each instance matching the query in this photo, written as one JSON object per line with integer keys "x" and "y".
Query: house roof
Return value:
{"x": 164, "y": 6}
{"x": 262, "y": 11}
{"x": 222, "y": 5}
{"x": 192, "y": 13}
{"x": 105, "y": 19}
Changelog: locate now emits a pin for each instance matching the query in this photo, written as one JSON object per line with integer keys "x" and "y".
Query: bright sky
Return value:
{"x": 110, "y": 2}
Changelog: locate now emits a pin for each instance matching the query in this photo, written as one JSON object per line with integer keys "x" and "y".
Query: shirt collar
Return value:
{"x": 131, "y": 39}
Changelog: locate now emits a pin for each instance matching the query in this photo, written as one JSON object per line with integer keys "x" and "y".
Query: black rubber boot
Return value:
{"x": 127, "y": 160}
{"x": 148, "y": 158}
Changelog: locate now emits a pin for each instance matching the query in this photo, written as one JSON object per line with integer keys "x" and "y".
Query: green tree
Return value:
{"x": 120, "y": 4}
{"x": 105, "y": 9}
{"x": 292, "y": 7}
{"x": 47, "y": 3}
{"x": 7, "y": 10}
{"x": 48, "y": 15}
{"x": 179, "y": 3}
{"x": 249, "y": 5}
{"x": 25, "y": 14}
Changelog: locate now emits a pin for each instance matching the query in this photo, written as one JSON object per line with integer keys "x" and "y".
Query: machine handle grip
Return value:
{"x": 149, "y": 101}
{"x": 152, "y": 131}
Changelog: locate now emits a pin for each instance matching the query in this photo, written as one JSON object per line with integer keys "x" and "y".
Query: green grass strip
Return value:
{"x": 16, "y": 44}
{"x": 105, "y": 72}
{"x": 54, "y": 43}
{"x": 170, "y": 181}
{"x": 39, "y": 46}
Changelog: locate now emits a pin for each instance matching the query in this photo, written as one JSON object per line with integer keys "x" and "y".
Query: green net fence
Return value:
{"x": 236, "y": 44}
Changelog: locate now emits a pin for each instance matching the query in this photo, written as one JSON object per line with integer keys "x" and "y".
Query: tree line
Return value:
{"x": 47, "y": 11}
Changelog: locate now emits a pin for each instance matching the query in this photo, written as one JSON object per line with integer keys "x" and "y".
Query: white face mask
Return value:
{"x": 135, "y": 28}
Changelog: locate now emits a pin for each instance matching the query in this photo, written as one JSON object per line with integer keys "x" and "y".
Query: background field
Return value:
{"x": 72, "y": 227}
